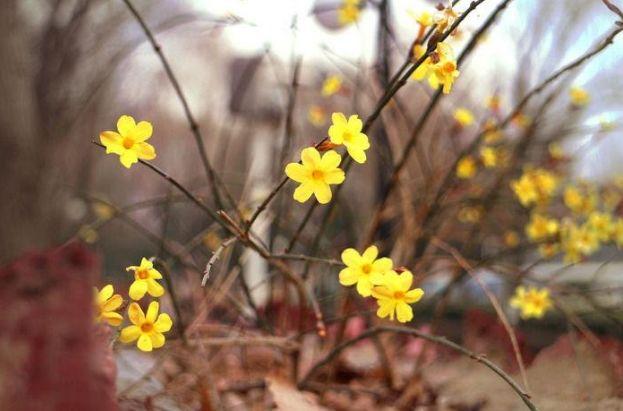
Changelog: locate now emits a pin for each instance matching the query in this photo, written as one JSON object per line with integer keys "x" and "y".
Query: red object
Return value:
{"x": 50, "y": 355}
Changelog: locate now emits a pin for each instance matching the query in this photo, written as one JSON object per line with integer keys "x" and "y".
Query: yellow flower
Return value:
{"x": 535, "y": 186}
{"x": 316, "y": 115}
{"x": 145, "y": 277}
{"x": 463, "y": 116}
{"x": 492, "y": 133}
{"x": 147, "y": 329}
{"x": 316, "y": 174}
{"x": 556, "y": 151}
{"x": 348, "y": 132}
{"x": 444, "y": 74}
{"x": 445, "y": 18}
{"x": 548, "y": 250}
{"x": 577, "y": 242}
{"x": 470, "y": 215}
{"x": 541, "y": 227}
{"x": 129, "y": 142}
{"x": 532, "y": 302}
{"x": 466, "y": 167}
{"x": 425, "y": 18}
{"x": 331, "y": 85}
{"x": 511, "y": 239}
{"x": 521, "y": 120}
{"x": 105, "y": 305}
{"x": 365, "y": 270}
{"x": 439, "y": 67}
{"x": 489, "y": 157}
{"x": 611, "y": 198}
{"x": 601, "y": 224}
{"x": 348, "y": 12}
{"x": 579, "y": 97}
{"x": 577, "y": 202}
{"x": 394, "y": 296}
{"x": 493, "y": 102}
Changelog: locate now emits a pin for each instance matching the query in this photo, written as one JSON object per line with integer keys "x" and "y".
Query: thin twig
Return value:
{"x": 214, "y": 258}
{"x": 525, "y": 397}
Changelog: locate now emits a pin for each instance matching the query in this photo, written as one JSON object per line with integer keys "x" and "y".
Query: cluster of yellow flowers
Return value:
{"x": 377, "y": 277}
{"x": 535, "y": 186}
{"x": 316, "y": 172}
{"x": 349, "y": 12}
{"x": 532, "y": 302}
{"x": 146, "y": 329}
{"x": 439, "y": 67}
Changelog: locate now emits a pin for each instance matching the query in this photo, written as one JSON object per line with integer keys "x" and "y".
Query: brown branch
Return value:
{"x": 432, "y": 338}
{"x": 214, "y": 258}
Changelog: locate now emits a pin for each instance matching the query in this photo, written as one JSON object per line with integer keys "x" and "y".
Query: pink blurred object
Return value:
{"x": 51, "y": 357}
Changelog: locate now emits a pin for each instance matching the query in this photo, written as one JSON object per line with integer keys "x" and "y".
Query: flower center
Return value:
{"x": 127, "y": 143}
{"x": 142, "y": 274}
{"x": 399, "y": 295}
{"x": 366, "y": 268}
{"x": 347, "y": 136}
{"x": 317, "y": 175}
{"x": 449, "y": 67}
{"x": 147, "y": 327}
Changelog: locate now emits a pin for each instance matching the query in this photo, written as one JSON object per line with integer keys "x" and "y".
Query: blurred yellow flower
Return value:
{"x": 601, "y": 224}
{"x": 532, "y": 302}
{"x": 466, "y": 167}
{"x": 511, "y": 239}
{"x": 493, "y": 102}
{"x": 394, "y": 295}
{"x": 440, "y": 67}
{"x": 463, "y": 116}
{"x": 331, "y": 85}
{"x": 521, "y": 120}
{"x": 425, "y": 18}
{"x": 535, "y": 186}
{"x": 541, "y": 227}
{"x": 548, "y": 250}
{"x": 365, "y": 270}
{"x": 470, "y": 215}
{"x": 130, "y": 141}
{"x": 556, "y": 151}
{"x": 492, "y": 133}
{"x": 145, "y": 277}
{"x": 348, "y": 132}
{"x": 348, "y": 12}
{"x": 106, "y": 305}
{"x": 316, "y": 115}
{"x": 445, "y": 18}
{"x": 147, "y": 329}
{"x": 577, "y": 242}
{"x": 577, "y": 202}
{"x": 579, "y": 97}
{"x": 489, "y": 157}
{"x": 315, "y": 174}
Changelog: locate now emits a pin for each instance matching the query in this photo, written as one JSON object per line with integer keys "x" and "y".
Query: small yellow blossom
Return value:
{"x": 103, "y": 211}
{"x": 316, "y": 116}
{"x": 444, "y": 74}
{"x": 532, "y": 302}
{"x": 145, "y": 277}
{"x": 348, "y": 12}
{"x": 105, "y": 305}
{"x": 130, "y": 141}
{"x": 556, "y": 151}
{"x": 601, "y": 224}
{"x": 445, "y": 18}
{"x": 511, "y": 239}
{"x": 470, "y": 215}
{"x": 577, "y": 242}
{"x": 577, "y": 202}
{"x": 466, "y": 168}
{"x": 535, "y": 186}
{"x": 579, "y": 97}
{"x": 440, "y": 67}
{"x": 494, "y": 103}
{"x": 147, "y": 329}
{"x": 611, "y": 199}
{"x": 394, "y": 296}
{"x": 365, "y": 270}
{"x": 492, "y": 133}
{"x": 425, "y": 18}
{"x": 316, "y": 174}
{"x": 331, "y": 85}
{"x": 549, "y": 250}
{"x": 489, "y": 157}
{"x": 521, "y": 120}
{"x": 541, "y": 227}
{"x": 463, "y": 116}
{"x": 348, "y": 132}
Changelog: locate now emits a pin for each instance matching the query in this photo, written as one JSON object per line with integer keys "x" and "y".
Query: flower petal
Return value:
{"x": 357, "y": 154}
{"x": 335, "y": 176}
{"x": 297, "y": 172}
{"x": 145, "y": 151}
{"x": 154, "y": 288}
{"x": 364, "y": 287}
{"x": 128, "y": 158}
{"x": 112, "y": 303}
{"x": 130, "y": 333}
{"x": 383, "y": 265}
{"x": 322, "y": 191}
{"x": 351, "y": 257}
{"x": 105, "y": 293}
{"x": 146, "y": 264}
{"x": 135, "y": 314}
{"x": 404, "y": 312}
{"x": 386, "y": 308}
{"x": 348, "y": 276}
{"x": 126, "y": 125}
{"x": 406, "y": 279}
{"x": 157, "y": 339}
{"x": 113, "y": 318}
{"x": 144, "y": 343}
{"x": 370, "y": 254}
{"x": 414, "y": 295}
{"x": 303, "y": 192}
{"x": 330, "y": 160}
{"x": 163, "y": 323}
{"x": 143, "y": 131}
{"x": 339, "y": 118}
{"x": 354, "y": 123}
{"x": 138, "y": 289}
{"x": 112, "y": 141}
{"x": 152, "y": 312}
{"x": 310, "y": 157}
